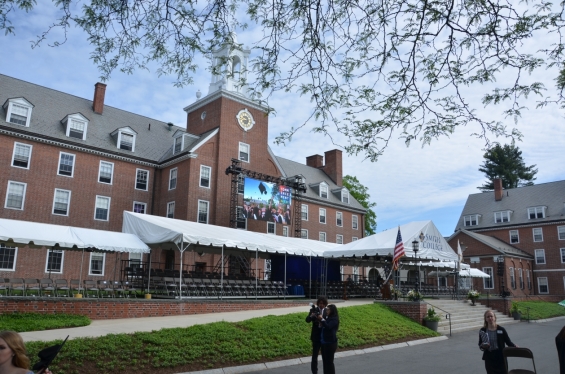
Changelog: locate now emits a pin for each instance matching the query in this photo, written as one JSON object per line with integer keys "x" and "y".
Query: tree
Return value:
{"x": 373, "y": 69}
{"x": 361, "y": 194}
{"x": 505, "y": 162}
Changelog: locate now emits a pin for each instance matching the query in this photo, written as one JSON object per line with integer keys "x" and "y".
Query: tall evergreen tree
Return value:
{"x": 505, "y": 162}
{"x": 361, "y": 194}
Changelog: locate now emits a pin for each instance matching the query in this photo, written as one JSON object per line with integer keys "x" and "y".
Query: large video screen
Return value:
{"x": 266, "y": 201}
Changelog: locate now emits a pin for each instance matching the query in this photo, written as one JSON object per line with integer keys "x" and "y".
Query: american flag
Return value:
{"x": 398, "y": 250}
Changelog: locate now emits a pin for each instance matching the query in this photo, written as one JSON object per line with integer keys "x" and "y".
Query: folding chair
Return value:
{"x": 90, "y": 288}
{"x": 106, "y": 287}
{"x": 62, "y": 287}
{"x": 76, "y": 287}
{"x": 46, "y": 287}
{"x": 518, "y": 352}
{"x": 3, "y": 287}
{"x": 31, "y": 286}
{"x": 119, "y": 289}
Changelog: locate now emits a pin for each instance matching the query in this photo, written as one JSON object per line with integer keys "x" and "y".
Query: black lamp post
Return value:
{"x": 415, "y": 247}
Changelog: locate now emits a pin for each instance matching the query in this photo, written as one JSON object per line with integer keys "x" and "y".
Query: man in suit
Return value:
{"x": 315, "y": 335}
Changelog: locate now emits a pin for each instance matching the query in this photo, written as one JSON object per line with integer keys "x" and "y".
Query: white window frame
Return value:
{"x": 239, "y": 152}
{"x": 304, "y": 233}
{"x": 562, "y": 251}
{"x": 354, "y": 239}
{"x": 535, "y": 210}
{"x": 96, "y": 207}
{"x": 92, "y": 254}
{"x": 47, "y": 261}
{"x": 176, "y": 172}
{"x": 54, "y": 202}
{"x": 30, "y": 147}
{"x": 72, "y": 166}
{"x": 502, "y": 216}
{"x": 323, "y": 218}
{"x": 468, "y": 220}
{"x": 19, "y": 102}
{"x": 139, "y": 203}
{"x": 285, "y": 231}
{"x": 355, "y": 222}
{"x": 339, "y": 239}
{"x": 106, "y": 163}
{"x": 119, "y": 142}
{"x": 512, "y": 278}
{"x": 488, "y": 283}
{"x": 207, "y": 211}
{"x": 304, "y": 212}
{"x": 80, "y": 120}
{"x": 179, "y": 140}
{"x": 324, "y": 190}
{"x": 202, "y": 168}
{"x": 170, "y": 212}
{"x": 137, "y": 172}
{"x": 534, "y": 234}
{"x": 322, "y": 236}
{"x": 541, "y": 254}
{"x": 517, "y": 236}
{"x": 540, "y": 285}
{"x": 8, "y": 195}
{"x": 561, "y": 232}
{"x": 337, "y": 219}
{"x": 3, "y": 246}
{"x": 345, "y": 196}
{"x": 271, "y": 228}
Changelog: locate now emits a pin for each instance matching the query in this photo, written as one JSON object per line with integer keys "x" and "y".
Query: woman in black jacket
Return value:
{"x": 330, "y": 325}
{"x": 492, "y": 339}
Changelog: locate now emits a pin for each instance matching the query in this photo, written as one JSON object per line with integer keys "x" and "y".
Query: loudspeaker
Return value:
{"x": 500, "y": 269}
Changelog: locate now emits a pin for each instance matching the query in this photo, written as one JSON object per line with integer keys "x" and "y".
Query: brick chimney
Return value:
{"x": 333, "y": 166}
{"x": 497, "y": 189}
{"x": 99, "y": 93}
{"x": 315, "y": 161}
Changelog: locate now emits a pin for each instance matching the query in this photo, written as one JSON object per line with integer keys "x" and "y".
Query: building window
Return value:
{"x": 54, "y": 263}
{"x": 538, "y": 234}
{"x": 322, "y": 216}
{"x": 285, "y": 231}
{"x": 339, "y": 219}
{"x": 521, "y": 279}
{"x": 322, "y": 237}
{"x": 18, "y": 111}
{"x": 345, "y": 196}
{"x": 244, "y": 152}
{"x": 21, "y": 156}
{"x": 354, "y": 239}
{"x": 66, "y": 164}
{"x": 514, "y": 237}
{"x": 8, "y": 257}
{"x": 540, "y": 256}
{"x": 512, "y": 278}
{"x": 354, "y": 222}
{"x": 15, "y": 197}
{"x": 97, "y": 263}
{"x": 240, "y": 184}
{"x": 178, "y": 145}
{"x": 205, "y": 172}
{"x": 76, "y": 128}
{"x": 339, "y": 239}
{"x": 173, "y": 179}
{"x": 323, "y": 191}
{"x": 171, "y": 210}
{"x": 102, "y": 211}
{"x": 542, "y": 285}
{"x": 106, "y": 172}
{"x": 270, "y": 227}
{"x": 141, "y": 178}
{"x": 501, "y": 217}
{"x": 202, "y": 211}
{"x": 304, "y": 212}
{"x": 488, "y": 284}
{"x": 241, "y": 222}
{"x": 562, "y": 255}
{"x": 561, "y": 232}
{"x": 304, "y": 234}
{"x": 61, "y": 202}
{"x": 529, "y": 279}
{"x": 536, "y": 212}
{"x": 139, "y": 207}
{"x": 472, "y": 220}
{"x": 126, "y": 141}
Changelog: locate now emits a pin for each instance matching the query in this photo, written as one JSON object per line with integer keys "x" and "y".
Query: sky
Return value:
{"x": 407, "y": 183}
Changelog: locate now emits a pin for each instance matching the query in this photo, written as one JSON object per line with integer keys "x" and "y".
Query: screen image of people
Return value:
{"x": 266, "y": 201}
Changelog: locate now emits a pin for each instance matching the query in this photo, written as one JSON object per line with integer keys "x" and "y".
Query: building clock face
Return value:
{"x": 245, "y": 119}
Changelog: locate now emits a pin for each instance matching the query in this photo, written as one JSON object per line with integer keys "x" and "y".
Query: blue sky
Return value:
{"x": 408, "y": 184}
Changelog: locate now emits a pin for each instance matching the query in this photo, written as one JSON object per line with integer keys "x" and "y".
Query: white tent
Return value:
{"x": 464, "y": 273}
{"x": 432, "y": 244}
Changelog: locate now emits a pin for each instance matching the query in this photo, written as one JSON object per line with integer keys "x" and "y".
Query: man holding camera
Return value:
{"x": 316, "y": 311}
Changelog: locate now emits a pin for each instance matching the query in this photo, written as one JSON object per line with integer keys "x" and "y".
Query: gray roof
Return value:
{"x": 518, "y": 200}
{"x": 51, "y": 106}
{"x": 497, "y": 244}
{"x": 314, "y": 176}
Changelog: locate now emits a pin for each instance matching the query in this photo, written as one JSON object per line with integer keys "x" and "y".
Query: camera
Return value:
{"x": 314, "y": 309}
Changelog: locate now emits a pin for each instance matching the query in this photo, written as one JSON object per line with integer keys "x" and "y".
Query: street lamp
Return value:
{"x": 415, "y": 247}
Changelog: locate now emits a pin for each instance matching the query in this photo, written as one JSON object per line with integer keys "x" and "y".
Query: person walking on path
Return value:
{"x": 492, "y": 339}
{"x": 330, "y": 325}
{"x": 315, "y": 335}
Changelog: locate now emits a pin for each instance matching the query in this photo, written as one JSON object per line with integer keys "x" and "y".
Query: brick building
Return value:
{"x": 73, "y": 161}
{"x": 524, "y": 229}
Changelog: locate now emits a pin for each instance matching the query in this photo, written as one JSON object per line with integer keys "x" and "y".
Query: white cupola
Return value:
{"x": 230, "y": 64}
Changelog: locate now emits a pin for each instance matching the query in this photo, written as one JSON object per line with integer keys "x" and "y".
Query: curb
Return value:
{"x": 306, "y": 360}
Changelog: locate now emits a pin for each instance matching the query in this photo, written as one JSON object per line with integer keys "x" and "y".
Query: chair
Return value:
{"x": 119, "y": 289}
{"x": 76, "y": 287}
{"x": 105, "y": 287}
{"x": 62, "y": 287}
{"x": 3, "y": 286}
{"x": 32, "y": 285}
{"x": 46, "y": 287}
{"x": 518, "y": 352}
{"x": 90, "y": 288}
{"x": 16, "y": 284}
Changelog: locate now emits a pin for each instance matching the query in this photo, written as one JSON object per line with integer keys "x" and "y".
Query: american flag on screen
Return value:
{"x": 398, "y": 250}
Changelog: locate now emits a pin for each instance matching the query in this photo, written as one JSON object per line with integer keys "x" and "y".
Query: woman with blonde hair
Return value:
{"x": 492, "y": 338}
{"x": 13, "y": 358}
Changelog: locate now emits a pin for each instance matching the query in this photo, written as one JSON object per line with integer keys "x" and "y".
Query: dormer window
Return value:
{"x": 323, "y": 190}
{"x": 345, "y": 196}
{"x": 178, "y": 145}
{"x": 76, "y": 126}
{"x": 501, "y": 217}
{"x": 182, "y": 140}
{"x": 125, "y": 138}
{"x": 536, "y": 212}
{"x": 18, "y": 111}
{"x": 471, "y": 220}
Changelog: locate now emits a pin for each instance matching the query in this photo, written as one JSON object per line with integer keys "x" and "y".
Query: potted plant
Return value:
{"x": 414, "y": 295}
{"x": 395, "y": 293}
{"x": 473, "y": 296}
{"x": 432, "y": 319}
{"x": 516, "y": 313}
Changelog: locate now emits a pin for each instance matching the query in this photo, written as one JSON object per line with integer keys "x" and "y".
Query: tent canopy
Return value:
{"x": 34, "y": 234}
{"x": 463, "y": 273}
{"x": 433, "y": 246}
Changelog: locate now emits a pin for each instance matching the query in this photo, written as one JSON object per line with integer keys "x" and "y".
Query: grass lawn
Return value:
{"x": 540, "y": 309}
{"x": 22, "y": 322}
{"x": 224, "y": 344}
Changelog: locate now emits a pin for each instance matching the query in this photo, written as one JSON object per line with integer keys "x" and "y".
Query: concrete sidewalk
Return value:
{"x": 127, "y": 326}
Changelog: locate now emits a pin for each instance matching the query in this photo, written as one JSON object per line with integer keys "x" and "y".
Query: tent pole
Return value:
{"x": 222, "y": 276}
{"x": 149, "y": 271}
{"x": 284, "y": 291}
{"x": 80, "y": 275}
{"x": 256, "y": 281}
{"x": 310, "y": 286}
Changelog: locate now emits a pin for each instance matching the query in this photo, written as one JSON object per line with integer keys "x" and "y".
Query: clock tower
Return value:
{"x": 230, "y": 69}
